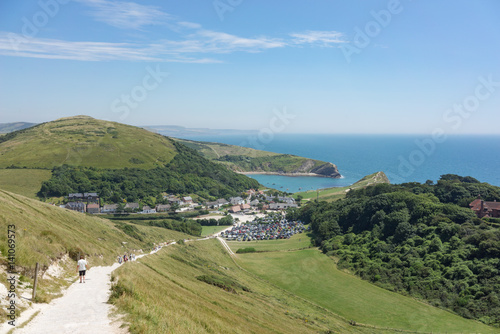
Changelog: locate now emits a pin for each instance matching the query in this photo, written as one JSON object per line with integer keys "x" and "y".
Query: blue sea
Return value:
{"x": 403, "y": 158}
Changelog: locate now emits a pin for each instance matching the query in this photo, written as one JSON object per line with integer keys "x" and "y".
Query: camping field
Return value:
{"x": 314, "y": 276}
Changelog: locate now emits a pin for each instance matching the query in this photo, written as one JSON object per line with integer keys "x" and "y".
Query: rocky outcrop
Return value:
{"x": 327, "y": 170}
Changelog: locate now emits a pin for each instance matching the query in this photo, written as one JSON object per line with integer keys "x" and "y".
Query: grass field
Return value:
{"x": 207, "y": 230}
{"x": 26, "y": 182}
{"x": 312, "y": 275}
{"x": 161, "y": 294}
{"x": 332, "y": 194}
{"x": 298, "y": 241}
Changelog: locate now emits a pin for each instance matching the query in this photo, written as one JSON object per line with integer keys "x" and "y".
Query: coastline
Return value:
{"x": 289, "y": 174}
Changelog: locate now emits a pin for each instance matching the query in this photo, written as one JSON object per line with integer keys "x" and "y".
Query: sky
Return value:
{"x": 292, "y": 66}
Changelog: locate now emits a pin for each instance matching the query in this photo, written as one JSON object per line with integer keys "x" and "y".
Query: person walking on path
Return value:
{"x": 81, "y": 267}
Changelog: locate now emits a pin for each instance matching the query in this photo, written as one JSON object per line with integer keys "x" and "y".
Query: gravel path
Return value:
{"x": 83, "y": 308}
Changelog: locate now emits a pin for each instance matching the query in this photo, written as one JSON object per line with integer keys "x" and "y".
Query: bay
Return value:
{"x": 404, "y": 158}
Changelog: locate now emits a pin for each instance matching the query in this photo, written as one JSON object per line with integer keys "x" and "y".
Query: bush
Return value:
{"x": 246, "y": 250}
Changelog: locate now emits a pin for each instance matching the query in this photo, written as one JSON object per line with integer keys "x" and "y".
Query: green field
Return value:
{"x": 298, "y": 241}
{"x": 207, "y": 230}
{"x": 26, "y": 182}
{"x": 314, "y": 276}
{"x": 332, "y": 194}
{"x": 161, "y": 294}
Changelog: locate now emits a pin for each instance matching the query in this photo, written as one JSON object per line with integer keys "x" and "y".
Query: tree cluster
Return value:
{"x": 417, "y": 240}
{"x": 187, "y": 173}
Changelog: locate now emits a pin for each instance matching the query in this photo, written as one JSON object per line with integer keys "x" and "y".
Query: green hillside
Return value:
{"x": 84, "y": 141}
{"x": 244, "y": 159}
{"x": 118, "y": 161}
{"x": 198, "y": 288}
{"x": 47, "y": 234}
{"x": 418, "y": 239}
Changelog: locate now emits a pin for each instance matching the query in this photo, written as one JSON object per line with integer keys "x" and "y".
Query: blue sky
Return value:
{"x": 328, "y": 66}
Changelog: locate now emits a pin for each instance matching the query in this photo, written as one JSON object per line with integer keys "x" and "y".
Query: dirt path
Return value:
{"x": 83, "y": 309}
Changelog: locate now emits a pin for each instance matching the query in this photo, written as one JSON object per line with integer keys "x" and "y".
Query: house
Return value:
{"x": 93, "y": 208}
{"x": 235, "y": 208}
{"x": 85, "y": 197}
{"x": 236, "y": 200}
{"x": 255, "y": 202}
{"x": 109, "y": 208}
{"x": 485, "y": 209}
{"x": 173, "y": 199}
{"x": 76, "y": 197}
{"x": 187, "y": 200}
{"x": 281, "y": 206}
{"x": 76, "y": 206}
{"x": 245, "y": 207}
{"x": 147, "y": 209}
{"x": 132, "y": 206}
{"x": 217, "y": 204}
{"x": 162, "y": 207}
{"x": 91, "y": 197}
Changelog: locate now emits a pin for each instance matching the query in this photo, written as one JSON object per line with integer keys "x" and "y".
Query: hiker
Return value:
{"x": 119, "y": 259}
{"x": 81, "y": 267}
{"x": 125, "y": 258}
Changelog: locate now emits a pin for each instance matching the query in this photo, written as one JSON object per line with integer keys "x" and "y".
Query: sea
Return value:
{"x": 403, "y": 158}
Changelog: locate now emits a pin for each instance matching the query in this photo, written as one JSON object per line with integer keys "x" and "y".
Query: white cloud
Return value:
{"x": 318, "y": 38}
{"x": 125, "y": 15}
{"x": 17, "y": 45}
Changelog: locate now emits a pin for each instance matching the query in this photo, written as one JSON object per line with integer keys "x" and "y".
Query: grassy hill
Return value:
{"x": 315, "y": 277}
{"x": 331, "y": 194}
{"x": 84, "y": 141}
{"x": 116, "y": 160}
{"x": 203, "y": 291}
{"x": 244, "y": 159}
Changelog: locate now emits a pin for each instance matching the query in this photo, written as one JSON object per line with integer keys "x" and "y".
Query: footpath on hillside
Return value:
{"x": 83, "y": 309}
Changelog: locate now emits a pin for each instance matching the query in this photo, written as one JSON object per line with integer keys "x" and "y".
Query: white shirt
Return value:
{"x": 82, "y": 264}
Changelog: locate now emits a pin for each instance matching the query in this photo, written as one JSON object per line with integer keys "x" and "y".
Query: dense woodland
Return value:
{"x": 187, "y": 173}
{"x": 417, "y": 239}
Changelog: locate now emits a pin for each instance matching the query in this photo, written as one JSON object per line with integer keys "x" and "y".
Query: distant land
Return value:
{"x": 248, "y": 160}
{"x": 9, "y": 127}
{"x": 177, "y": 131}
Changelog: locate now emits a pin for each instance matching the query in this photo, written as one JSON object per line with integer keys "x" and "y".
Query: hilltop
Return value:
{"x": 87, "y": 142}
{"x": 248, "y": 160}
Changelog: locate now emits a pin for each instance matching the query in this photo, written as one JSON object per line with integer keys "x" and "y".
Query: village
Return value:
{"x": 252, "y": 201}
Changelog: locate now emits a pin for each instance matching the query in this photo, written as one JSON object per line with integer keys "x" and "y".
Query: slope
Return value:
{"x": 46, "y": 234}
{"x": 203, "y": 291}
